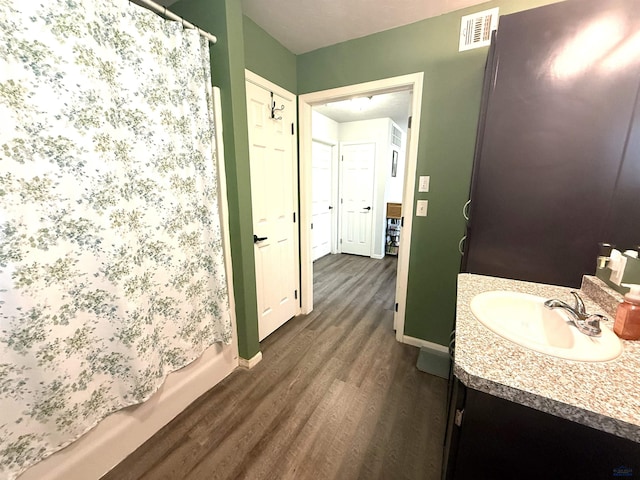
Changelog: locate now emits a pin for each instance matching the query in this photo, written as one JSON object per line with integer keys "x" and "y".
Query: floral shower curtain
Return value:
{"x": 111, "y": 264}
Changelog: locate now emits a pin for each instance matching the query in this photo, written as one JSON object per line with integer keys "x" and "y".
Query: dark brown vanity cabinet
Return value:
{"x": 492, "y": 438}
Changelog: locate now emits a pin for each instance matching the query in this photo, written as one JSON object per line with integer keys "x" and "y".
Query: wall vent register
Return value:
{"x": 396, "y": 136}
{"x": 475, "y": 29}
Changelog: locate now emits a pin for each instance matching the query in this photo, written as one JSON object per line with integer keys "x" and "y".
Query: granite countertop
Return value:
{"x": 602, "y": 395}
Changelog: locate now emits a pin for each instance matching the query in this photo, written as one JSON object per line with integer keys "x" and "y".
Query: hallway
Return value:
{"x": 335, "y": 397}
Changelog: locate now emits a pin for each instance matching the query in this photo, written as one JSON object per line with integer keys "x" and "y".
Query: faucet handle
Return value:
{"x": 580, "y": 308}
{"x": 593, "y": 324}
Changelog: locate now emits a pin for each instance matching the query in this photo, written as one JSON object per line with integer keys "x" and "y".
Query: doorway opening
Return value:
{"x": 411, "y": 83}
{"x": 358, "y": 157}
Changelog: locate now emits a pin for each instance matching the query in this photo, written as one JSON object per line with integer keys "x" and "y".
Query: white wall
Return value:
{"x": 323, "y": 129}
{"x": 395, "y": 185}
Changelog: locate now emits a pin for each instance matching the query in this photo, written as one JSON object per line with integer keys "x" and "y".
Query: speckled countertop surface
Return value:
{"x": 602, "y": 395}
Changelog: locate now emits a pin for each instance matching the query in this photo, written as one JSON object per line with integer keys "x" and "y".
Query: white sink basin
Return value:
{"x": 523, "y": 319}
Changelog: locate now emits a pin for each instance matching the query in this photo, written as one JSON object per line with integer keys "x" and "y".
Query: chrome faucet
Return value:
{"x": 589, "y": 324}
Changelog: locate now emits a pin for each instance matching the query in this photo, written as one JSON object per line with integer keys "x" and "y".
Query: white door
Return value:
{"x": 274, "y": 206}
{"x": 321, "y": 199}
{"x": 356, "y": 193}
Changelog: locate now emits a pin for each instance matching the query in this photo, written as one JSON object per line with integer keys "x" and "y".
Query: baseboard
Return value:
{"x": 377, "y": 256}
{"x": 418, "y": 342}
{"x": 250, "y": 363}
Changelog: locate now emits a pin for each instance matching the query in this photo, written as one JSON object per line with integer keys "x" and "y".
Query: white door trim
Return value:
{"x": 267, "y": 85}
{"x": 413, "y": 82}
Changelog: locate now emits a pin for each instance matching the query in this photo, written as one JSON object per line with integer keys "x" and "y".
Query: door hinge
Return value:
{"x": 458, "y": 418}
{"x": 292, "y": 129}
{"x": 396, "y": 307}
{"x": 341, "y": 201}
{"x": 340, "y": 240}
{"x": 295, "y": 294}
{"x": 312, "y": 226}
{"x": 294, "y": 217}
{"x": 342, "y": 158}
{"x": 402, "y": 221}
{"x": 409, "y": 122}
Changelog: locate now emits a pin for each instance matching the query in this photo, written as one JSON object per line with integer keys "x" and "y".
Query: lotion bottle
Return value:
{"x": 627, "y": 324}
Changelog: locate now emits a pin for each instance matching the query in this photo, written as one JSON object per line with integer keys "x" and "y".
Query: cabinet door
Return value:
{"x": 452, "y": 438}
{"x": 623, "y": 223}
{"x": 556, "y": 126}
{"x": 502, "y": 440}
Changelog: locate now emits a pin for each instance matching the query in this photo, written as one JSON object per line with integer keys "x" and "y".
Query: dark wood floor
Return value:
{"x": 335, "y": 397}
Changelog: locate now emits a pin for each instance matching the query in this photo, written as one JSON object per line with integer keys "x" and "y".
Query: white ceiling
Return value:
{"x": 306, "y": 25}
{"x": 395, "y": 106}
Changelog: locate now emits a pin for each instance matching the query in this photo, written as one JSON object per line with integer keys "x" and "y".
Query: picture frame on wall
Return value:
{"x": 394, "y": 163}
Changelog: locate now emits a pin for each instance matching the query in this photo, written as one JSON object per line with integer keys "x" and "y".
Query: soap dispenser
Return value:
{"x": 627, "y": 324}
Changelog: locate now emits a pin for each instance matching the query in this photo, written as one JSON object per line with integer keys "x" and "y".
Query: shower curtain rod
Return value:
{"x": 161, "y": 10}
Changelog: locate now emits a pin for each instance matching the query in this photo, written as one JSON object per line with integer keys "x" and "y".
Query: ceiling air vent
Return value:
{"x": 475, "y": 29}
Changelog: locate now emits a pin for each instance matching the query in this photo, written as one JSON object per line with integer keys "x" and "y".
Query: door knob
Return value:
{"x": 367, "y": 208}
{"x": 257, "y": 239}
{"x": 330, "y": 207}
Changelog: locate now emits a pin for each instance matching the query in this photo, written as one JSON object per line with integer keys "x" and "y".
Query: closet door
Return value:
{"x": 321, "y": 158}
{"x": 274, "y": 187}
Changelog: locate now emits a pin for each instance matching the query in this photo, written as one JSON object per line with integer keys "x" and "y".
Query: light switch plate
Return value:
{"x": 423, "y": 185}
{"x": 421, "y": 208}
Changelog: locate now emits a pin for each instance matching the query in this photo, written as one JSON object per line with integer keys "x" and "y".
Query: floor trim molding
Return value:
{"x": 251, "y": 362}
{"x": 418, "y": 342}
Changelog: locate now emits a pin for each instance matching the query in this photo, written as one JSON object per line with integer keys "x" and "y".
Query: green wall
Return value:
{"x": 266, "y": 57}
{"x": 223, "y": 18}
{"x": 450, "y": 107}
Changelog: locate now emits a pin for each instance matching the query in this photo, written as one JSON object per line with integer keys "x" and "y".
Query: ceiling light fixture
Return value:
{"x": 361, "y": 103}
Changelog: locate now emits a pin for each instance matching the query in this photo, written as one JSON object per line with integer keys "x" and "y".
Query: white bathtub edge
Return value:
{"x": 121, "y": 433}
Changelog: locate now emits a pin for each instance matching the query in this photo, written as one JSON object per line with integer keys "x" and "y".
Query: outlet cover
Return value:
{"x": 421, "y": 208}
